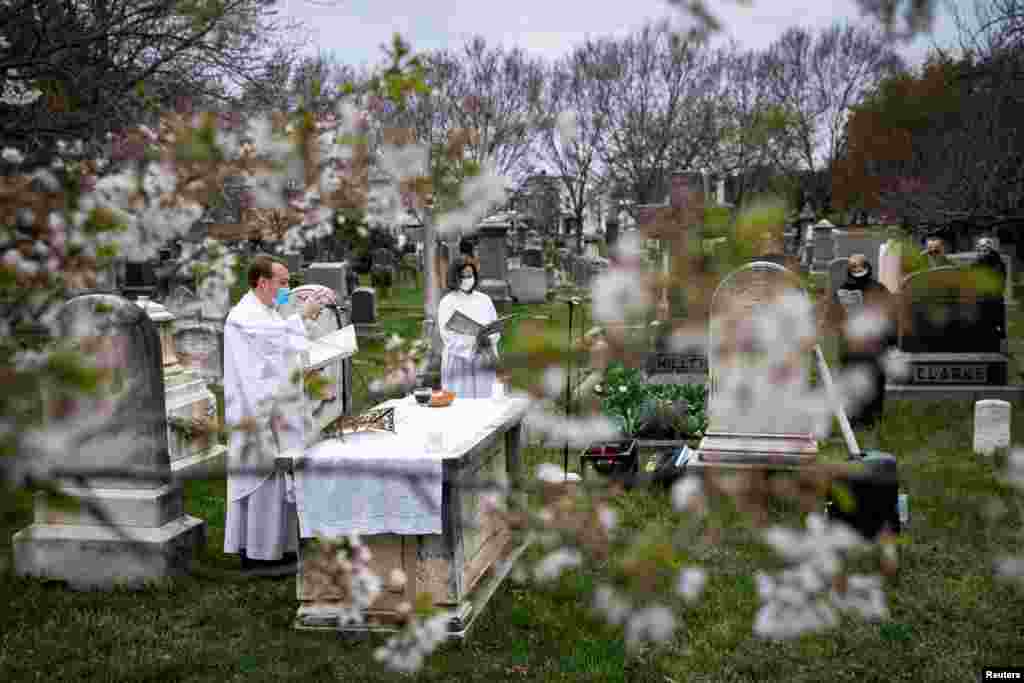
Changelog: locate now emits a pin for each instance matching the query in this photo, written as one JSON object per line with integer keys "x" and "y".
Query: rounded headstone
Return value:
{"x": 991, "y": 425}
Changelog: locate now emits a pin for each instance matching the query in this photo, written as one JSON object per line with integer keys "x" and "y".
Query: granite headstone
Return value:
{"x": 156, "y": 538}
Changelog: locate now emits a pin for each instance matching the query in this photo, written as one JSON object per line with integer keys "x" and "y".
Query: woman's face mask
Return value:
{"x": 467, "y": 282}
{"x": 282, "y": 296}
{"x": 858, "y": 273}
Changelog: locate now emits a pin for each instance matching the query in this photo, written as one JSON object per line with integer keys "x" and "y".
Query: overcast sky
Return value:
{"x": 355, "y": 30}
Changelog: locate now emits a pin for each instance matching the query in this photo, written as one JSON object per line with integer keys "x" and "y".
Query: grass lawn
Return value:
{"x": 949, "y": 616}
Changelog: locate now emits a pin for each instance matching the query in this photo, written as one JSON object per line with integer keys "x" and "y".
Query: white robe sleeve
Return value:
{"x": 459, "y": 345}
{"x": 490, "y": 316}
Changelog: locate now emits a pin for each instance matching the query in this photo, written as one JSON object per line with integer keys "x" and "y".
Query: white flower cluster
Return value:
{"x": 478, "y": 195}
{"x": 618, "y": 294}
{"x": 556, "y": 562}
{"x": 655, "y": 623}
{"x": 12, "y": 155}
{"x": 1011, "y": 568}
{"x": 16, "y": 92}
{"x": 406, "y": 651}
{"x": 804, "y": 599}
{"x": 363, "y": 584}
{"x": 578, "y": 432}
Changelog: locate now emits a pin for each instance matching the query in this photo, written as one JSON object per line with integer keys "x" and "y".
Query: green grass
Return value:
{"x": 949, "y": 616}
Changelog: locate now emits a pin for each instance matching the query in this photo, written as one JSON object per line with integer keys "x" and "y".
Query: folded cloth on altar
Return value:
{"x": 383, "y": 485}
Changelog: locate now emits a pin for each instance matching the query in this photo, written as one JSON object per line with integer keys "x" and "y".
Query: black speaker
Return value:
{"x": 873, "y": 497}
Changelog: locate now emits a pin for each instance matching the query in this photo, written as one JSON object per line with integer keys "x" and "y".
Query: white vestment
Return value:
{"x": 462, "y": 368}
{"x": 261, "y": 355}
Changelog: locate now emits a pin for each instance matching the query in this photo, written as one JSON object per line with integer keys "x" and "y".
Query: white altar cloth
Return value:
{"x": 371, "y": 499}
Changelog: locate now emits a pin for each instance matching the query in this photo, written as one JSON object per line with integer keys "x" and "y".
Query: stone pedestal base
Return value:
{"x": 767, "y": 451}
{"x": 498, "y": 290}
{"x": 369, "y": 331}
{"x": 98, "y": 557}
{"x": 154, "y": 539}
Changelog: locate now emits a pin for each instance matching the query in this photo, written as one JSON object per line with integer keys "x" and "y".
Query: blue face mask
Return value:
{"x": 282, "y": 296}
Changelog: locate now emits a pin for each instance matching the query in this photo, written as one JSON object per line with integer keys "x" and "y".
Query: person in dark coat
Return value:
{"x": 993, "y": 270}
{"x": 988, "y": 257}
{"x": 859, "y": 290}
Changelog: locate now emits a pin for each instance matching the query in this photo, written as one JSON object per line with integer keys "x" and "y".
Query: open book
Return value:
{"x": 461, "y": 323}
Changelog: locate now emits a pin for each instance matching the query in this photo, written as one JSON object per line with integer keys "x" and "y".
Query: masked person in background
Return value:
{"x": 467, "y": 362}
{"x": 261, "y": 357}
{"x": 935, "y": 252}
{"x": 862, "y": 293}
{"x": 993, "y": 276}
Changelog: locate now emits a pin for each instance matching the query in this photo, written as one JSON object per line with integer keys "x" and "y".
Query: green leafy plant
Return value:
{"x": 669, "y": 411}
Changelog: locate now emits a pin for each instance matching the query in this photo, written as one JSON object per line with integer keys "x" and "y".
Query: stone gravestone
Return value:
{"x": 294, "y": 263}
{"x": 494, "y": 261}
{"x": 838, "y": 269}
{"x": 533, "y": 257}
{"x": 331, "y": 275}
{"x": 967, "y": 258}
{"x": 364, "y": 313}
{"x": 528, "y": 285}
{"x": 139, "y": 279}
{"x": 155, "y": 538}
{"x": 611, "y": 232}
{"x": 192, "y": 416}
{"x": 675, "y": 367}
{"x": 947, "y": 333}
{"x": 753, "y": 434}
{"x": 824, "y": 246}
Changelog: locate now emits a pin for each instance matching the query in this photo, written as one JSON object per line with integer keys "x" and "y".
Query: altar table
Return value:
{"x": 458, "y": 554}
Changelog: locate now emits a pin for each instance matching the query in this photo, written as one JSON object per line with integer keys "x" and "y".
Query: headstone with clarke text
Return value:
{"x": 947, "y": 334}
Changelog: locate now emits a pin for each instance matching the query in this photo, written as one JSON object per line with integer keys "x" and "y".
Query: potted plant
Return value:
{"x": 649, "y": 415}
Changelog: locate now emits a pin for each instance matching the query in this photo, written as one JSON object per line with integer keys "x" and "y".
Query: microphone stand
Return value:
{"x": 568, "y": 390}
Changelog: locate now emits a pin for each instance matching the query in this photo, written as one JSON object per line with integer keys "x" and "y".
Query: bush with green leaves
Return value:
{"x": 381, "y": 278}
{"x": 663, "y": 411}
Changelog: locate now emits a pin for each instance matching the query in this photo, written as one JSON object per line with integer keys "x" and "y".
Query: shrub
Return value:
{"x": 381, "y": 278}
{"x": 664, "y": 411}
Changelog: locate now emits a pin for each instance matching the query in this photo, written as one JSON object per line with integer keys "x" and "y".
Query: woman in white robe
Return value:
{"x": 466, "y": 369}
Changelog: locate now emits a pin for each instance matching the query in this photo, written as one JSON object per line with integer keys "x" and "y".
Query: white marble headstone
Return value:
{"x": 991, "y": 426}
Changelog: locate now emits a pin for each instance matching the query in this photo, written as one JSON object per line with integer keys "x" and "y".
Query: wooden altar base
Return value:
{"x": 321, "y": 618}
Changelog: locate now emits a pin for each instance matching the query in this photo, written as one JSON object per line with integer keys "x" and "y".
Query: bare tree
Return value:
{"x": 497, "y": 94}
{"x": 573, "y": 134}
{"x": 817, "y": 78}
{"x": 659, "y": 108}
{"x": 752, "y": 131}
{"x": 101, "y": 64}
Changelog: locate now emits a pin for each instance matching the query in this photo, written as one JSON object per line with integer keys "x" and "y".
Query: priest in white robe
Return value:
{"x": 466, "y": 363}
{"x": 261, "y": 357}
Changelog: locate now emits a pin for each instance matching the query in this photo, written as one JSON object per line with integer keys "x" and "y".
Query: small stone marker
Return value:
{"x": 991, "y": 425}
{"x": 364, "y": 313}
{"x": 332, "y": 275}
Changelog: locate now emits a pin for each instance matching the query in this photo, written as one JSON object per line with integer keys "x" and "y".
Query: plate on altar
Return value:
{"x": 441, "y": 399}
